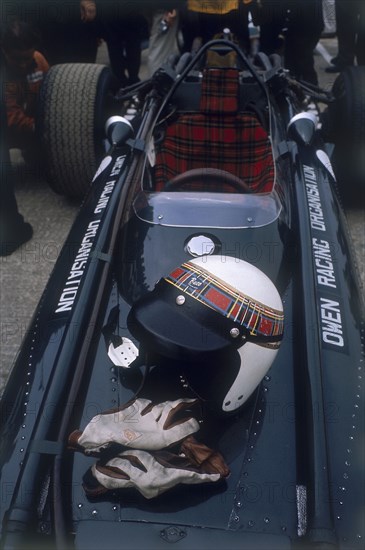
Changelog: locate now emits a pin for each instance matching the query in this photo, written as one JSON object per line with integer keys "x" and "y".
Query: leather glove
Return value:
{"x": 203, "y": 457}
{"x": 150, "y": 473}
{"x": 139, "y": 425}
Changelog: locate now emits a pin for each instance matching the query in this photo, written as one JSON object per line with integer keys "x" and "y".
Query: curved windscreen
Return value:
{"x": 195, "y": 209}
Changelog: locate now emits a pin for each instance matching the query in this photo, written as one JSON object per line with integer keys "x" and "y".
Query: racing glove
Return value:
{"x": 203, "y": 457}
{"x": 139, "y": 425}
{"x": 150, "y": 473}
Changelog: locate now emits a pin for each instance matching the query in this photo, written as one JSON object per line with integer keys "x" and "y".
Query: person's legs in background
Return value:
{"x": 347, "y": 15}
{"x": 14, "y": 231}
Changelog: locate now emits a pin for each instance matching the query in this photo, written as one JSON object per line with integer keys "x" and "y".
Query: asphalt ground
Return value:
{"x": 24, "y": 274}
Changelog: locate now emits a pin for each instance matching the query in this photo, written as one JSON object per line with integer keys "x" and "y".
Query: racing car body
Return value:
{"x": 217, "y": 162}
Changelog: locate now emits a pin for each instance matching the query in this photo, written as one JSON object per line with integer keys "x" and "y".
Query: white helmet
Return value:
{"x": 221, "y": 319}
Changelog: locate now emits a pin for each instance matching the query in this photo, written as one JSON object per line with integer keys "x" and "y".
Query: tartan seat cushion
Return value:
{"x": 217, "y": 137}
{"x": 219, "y": 93}
{"x": 237, "y": 144}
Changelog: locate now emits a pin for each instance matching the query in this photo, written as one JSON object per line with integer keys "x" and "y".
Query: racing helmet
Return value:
{"x": 221, "y": 319}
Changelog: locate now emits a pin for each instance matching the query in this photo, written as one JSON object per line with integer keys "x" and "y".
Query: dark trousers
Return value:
{"x": 69, "y": 41}
{"x": 271, "y": 17}
{"x": 350, "y": 31}
{"x": 304, "y": 29}
{"x": 123, "y": 37}
{"x": 300, "y": 24}
{"x": 10, "y": 219}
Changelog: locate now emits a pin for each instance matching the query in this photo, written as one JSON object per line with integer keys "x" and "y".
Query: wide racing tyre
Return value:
{"x": 72, "y": 113}
{"x": 347, "y": 120}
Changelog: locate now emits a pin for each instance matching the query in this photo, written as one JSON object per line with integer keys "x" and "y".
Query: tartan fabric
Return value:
{"x": 219, "y": 91}
{"x": 203, "y": 286}
{"x": 237, "y": 144}
{"x": 217, "y": 137}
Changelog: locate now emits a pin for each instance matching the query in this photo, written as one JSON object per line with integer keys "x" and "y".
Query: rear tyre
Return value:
{"x": 347, "y": 122}
{"x": 73, "y": 109}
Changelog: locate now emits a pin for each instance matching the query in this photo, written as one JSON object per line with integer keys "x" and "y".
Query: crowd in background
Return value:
{"x": 38, "y": 33}
{"x": 71, "y": 31}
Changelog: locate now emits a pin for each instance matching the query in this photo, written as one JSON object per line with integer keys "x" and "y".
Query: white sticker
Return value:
{"x": 103, "y": 165}
{"x": 325, "y": 160}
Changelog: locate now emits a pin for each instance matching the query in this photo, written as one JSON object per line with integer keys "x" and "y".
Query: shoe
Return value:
{"x": 22, "y": 235}
{"x": 334, "y": 69}
{"x": 335, "y": 60}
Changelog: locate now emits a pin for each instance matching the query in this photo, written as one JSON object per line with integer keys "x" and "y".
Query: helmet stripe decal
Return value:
{"x": 258, "y": 319}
